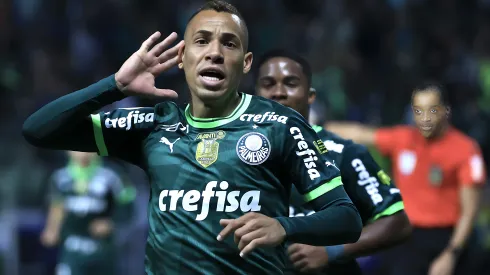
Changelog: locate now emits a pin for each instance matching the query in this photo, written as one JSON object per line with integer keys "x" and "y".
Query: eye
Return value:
{"x": 201, "y": 41}
{"x": 417, "y": 111}
{"x": 229, "y": 44}
{"x": 433, "y": 111}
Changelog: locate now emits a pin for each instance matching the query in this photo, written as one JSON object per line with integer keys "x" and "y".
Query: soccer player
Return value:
{"x": 220, "y": 170}
{"x": 286, "y": 78}
{"x": 84, "y": 202}
{"x": 440, "y": 172}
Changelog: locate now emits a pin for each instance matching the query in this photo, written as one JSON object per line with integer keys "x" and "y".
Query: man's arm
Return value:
{"x": 336, "y": 220}
{"x": 65, "y": 124}
{"x": 357, "y": 132}
{"x": 378, "y": 201}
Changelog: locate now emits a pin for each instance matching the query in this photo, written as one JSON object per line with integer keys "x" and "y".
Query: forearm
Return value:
{"x": 55, "y": 218}
{"x": 64, "y": 123}
{"x": 383, "y": 233}
{"x": 337, "y": 224}
{"x": 462, "y": 231}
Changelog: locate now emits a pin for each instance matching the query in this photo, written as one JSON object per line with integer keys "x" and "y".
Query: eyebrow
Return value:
{"x": 226, "y": 35}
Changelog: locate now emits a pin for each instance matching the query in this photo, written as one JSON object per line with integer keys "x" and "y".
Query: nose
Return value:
{"x": 426, "y": 117}
{"x": 279, "y": 92}
{"x": 215, "y": 54}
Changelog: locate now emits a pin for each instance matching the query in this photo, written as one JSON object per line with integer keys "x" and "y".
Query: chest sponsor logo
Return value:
{"x": 261, "y": 118}
{"x": 195, "y": 200}
{"x": 167, "y": 142}
{"x": 365, "y": 180}
{"x": 309, "y": 156}
{"x": 253, "y": 148}
{"x": 407, "y": 161}
{"x": 133, "y": 118}
{"x": 208, "y": 148}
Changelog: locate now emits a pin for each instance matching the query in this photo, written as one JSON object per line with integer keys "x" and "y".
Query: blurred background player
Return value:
{"x": 286, "y": 78}
{"x": 85, "y": 202}
{"x": 440, "y": 172}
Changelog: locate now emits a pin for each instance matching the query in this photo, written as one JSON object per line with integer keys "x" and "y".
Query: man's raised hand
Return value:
{"x": 137, "y": 75}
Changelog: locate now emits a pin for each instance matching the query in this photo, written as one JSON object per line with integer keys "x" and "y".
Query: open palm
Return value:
{"x": 137, "y": 75}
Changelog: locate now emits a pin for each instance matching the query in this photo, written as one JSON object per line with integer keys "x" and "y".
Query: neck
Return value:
{"x": 220, "y": 107}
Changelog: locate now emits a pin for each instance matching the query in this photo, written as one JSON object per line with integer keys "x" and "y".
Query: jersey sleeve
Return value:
{"x": 121, "y": 132}
{"x": 369, "y": 187}
{"x": 386, "y": 139}
{"x": 308, "y": 164}
{"x": 472, "y": 170}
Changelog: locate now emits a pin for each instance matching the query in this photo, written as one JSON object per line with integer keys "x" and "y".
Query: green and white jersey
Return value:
{"x": 368, "y": 186}
{"x": 204, "y": 170}
{"x": 86, "y": 194}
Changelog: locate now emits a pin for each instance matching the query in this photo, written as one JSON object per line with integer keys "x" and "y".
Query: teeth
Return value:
{"x": 211, "y": 78}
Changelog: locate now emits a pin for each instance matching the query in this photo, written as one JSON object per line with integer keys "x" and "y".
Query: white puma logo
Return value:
{"x": 165, "y": 141}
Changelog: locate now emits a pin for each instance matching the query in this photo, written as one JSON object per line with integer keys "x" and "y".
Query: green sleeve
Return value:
{"x": 65, "y": 124}
{"x": 319, "y": 182}
{"x": 370, "y": 188}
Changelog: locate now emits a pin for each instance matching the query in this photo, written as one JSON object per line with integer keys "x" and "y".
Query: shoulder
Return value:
{"x": 262, "y": 110}
{"x": 462, "y": 142}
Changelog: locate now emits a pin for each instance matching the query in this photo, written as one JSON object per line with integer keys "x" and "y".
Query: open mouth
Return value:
{"x": 426, "y": 127}
{"x": 212, "y": 76}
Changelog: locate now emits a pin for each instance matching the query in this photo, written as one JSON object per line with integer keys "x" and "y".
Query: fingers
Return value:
{"x": 230, "y": 226}
{"x": 295, "y": 247}
{"x": 146, "y": 45}
{"x": 162, "y": 67}
{"x": 252, "y": 245}
{"x": 160, "y": 47}
{"x": 300, "y": 265}
{"x": 233, "y": 224}
{"x": 170, "y": 53}
{"x": 294, "y": 257}
{"x": 246, "y": 239}
{"x": 165, "y": 93}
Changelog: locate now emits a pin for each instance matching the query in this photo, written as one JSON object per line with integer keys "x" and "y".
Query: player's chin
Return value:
{"x": 211, "y": 92}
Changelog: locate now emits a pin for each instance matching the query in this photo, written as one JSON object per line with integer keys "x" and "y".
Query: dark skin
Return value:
{"x": 282, "y": 79}
{"x": 430, "y": 114}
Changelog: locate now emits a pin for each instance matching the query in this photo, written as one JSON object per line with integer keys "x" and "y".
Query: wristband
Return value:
{"x": 335, "y": 253}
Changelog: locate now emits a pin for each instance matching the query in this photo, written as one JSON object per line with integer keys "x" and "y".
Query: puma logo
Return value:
{"x": 165, "y": 141}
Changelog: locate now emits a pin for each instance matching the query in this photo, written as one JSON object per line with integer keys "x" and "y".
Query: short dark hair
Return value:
{"x": 430, "y": 86}
{"x": 305, "y": 66}
{"x": 223, "y": 6}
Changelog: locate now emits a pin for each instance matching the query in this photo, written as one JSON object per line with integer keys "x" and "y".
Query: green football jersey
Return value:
{"x": 369, "y": 187}
{"x": 204, "y": 170}
{"x": 86, "y": 194}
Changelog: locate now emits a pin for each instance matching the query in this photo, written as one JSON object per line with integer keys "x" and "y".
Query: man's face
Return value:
{"x": 282, "y": 79}
{"x": 429, "y": 113}
{"x": 82, "y": 158}
{"x": 214, "y": 57}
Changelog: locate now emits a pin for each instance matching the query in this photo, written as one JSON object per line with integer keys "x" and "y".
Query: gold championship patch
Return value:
{"x": 208, "y": 148}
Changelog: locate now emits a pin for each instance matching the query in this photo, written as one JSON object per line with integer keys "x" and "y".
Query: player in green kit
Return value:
{"x": 286, "y": 78}
{"x": 220, "y": 170}
{"x": 85, "y": 201}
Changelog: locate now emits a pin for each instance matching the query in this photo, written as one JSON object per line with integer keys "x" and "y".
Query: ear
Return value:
{"x": 311, "y": 95}
{"x": 448, "y": 111}
{"x": 181, "y": 56}
{"x": 247, "y": 62}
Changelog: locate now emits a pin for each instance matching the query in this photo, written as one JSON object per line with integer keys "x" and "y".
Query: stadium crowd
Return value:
{"x": 366, "y": 56}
